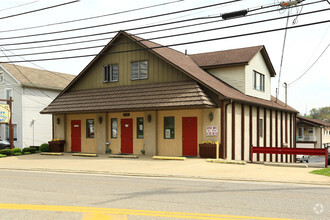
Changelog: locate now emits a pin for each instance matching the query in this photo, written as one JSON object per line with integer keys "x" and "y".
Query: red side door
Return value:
{"x": 76, "y": 136}
{"x": 127, "y": 136}
{"x": 189, "y": 136}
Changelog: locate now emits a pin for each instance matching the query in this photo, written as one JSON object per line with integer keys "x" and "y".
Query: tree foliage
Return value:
{"x": 320, "y": 113}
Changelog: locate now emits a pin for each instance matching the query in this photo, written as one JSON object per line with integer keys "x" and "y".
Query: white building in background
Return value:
{"x": 32, "y": 90}
{"x": 312, "y": 133}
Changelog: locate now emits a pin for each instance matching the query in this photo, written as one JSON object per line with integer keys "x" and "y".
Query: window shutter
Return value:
{"x": 135, "y": 70}
{"x": 114, "y": 73}
{"x": 143, "y": 70}
{"x": 105, "y": 73}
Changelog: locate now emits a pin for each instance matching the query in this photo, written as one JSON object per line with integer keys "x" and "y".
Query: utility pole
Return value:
{"x": 286, "y": 93}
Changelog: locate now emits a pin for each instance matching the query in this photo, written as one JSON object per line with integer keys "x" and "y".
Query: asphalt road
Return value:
{"x": 38, "y": 195}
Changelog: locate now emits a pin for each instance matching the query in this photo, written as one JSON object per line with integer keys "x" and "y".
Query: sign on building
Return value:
{"x": 211, "y": 130}
{"x": 4, "y": 114}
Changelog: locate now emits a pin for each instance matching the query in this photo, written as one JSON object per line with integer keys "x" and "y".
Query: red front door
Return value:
{"x": 127, "y": 136}
{"x": 76, "y": 136}
{"x": 189, "y": 136}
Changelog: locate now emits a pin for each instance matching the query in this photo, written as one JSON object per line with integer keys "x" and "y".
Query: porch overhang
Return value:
{"x": 170, "y": 95}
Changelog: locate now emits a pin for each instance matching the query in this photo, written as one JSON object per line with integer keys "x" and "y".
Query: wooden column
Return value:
{"x": 258, "y": 130}
{"x": 271, "y": 132}
{"x": 276, "y": 133}
{"x": 286, "y": 134}
{"x": 291, "y": 136}
{"x": 242, "y": 132}
{"x": 250, "y": 131}
{"x": 281, "y": 135}
{"x": 233, "y": 131}
{"x": 265, "y": 131}
{"x": 222, "y": 132}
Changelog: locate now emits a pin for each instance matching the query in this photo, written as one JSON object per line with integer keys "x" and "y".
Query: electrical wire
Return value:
{"x": 94, "y": 17}
{"x": 37, "y": 10}
{"x": 168, "y": 36}
{"x": 282, "y": 55}
{"x": 17, "y": 6}
{"x": 310, "y": 66}
{"x": 176, "y": 44}
{"x": 121, "y": 22}
{"x": 103, "y": 33}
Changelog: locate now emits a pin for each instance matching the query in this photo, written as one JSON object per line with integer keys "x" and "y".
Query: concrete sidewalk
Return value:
{"x": 145, "y": 166}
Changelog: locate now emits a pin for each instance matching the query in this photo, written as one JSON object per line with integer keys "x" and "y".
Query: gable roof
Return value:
{"x": 315, "y": 122}
{"x": 234, "y": 57}
{"x": 42, "y": 79}
{"x": 187, "y": 65}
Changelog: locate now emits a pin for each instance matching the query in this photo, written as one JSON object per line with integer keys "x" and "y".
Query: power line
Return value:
{"x": 40, "y": 9}
{"x": 103, "y": 33}
{"x": 310, "y": 66}
{"x": 173, "y": 35}
{"x": 17, "y": 6}
{"x": 94, "y": 17}
{"x": 179, "y": 44}
{"x": 119, "y": 22}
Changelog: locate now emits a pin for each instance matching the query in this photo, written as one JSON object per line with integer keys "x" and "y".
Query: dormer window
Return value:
{"x": 110, "y": 73}
{"x": 258, "y": 81}
{"x": 2, "y": 77}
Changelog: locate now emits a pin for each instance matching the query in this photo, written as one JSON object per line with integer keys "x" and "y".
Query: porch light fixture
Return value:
{"x": 211, "y": 116}
{"x": 149, "y": 118}
{"x": 58, "y": 120}
{"x": 100, "y": 119}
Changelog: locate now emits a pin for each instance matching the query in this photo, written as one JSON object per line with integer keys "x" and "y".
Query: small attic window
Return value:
{"x": 2, "y": 77}
{"x": 258, "y": 81}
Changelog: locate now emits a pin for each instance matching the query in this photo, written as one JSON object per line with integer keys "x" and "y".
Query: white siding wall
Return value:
{"x": 10, "y": 83}
{"x": 234, "y": 76}
{"x": 40, "y": 130}
{"x": 257, "y": 64}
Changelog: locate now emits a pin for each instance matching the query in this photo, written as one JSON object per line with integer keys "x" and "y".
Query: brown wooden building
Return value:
{"x": 138, "y": 96}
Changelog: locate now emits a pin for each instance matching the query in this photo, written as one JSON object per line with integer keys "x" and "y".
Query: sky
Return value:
{"x": 304, "y": 47}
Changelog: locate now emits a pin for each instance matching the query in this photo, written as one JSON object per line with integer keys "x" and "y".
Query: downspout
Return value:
{"x": 225, "y": 148}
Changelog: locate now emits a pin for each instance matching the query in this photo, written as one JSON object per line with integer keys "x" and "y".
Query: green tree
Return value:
{"x": 322, "y": 113}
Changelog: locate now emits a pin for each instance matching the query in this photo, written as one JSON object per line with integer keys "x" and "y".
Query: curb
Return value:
{"x": 168, "y": 158}
{"x": 84, "y": 155}
{"x": 226, "y": 161}
{"x": 123, "y": 156}
{"x": 163, "y": 175}
{"x": 51, "y": 154}
{"x": 299, "y": 165}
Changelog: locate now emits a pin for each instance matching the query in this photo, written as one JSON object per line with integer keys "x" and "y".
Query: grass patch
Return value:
{"x": 2, "y": 155}
{"x": 324, "y": 172}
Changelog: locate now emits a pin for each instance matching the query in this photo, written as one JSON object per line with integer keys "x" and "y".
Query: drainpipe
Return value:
{"x": 225, "y": 148}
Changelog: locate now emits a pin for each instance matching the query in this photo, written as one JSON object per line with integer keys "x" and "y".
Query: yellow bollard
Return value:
{"x": 217, "y": 145}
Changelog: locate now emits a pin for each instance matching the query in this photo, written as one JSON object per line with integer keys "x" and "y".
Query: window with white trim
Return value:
{"x": 9, "y": 93}
{"x": 2, "y": 77}
{"x": 258, "y": 81}
{"x": 139, "y": 70}
{"x": 110, "y": 73}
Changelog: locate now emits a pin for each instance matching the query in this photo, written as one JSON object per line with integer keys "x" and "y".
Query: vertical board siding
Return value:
{"x": 158, "y": 69}
{"x": 222, "y": 121}
{"x": 265, "y": 131}
{"x": 271, "y": 132}
{"x": 250, "y": 130}
{"x": 281, "y": 135}
{"x": 257, "y": 133}
{"x": 242, "y": 132}
{"x": 233, "y": 113}
{"x": 276, "y": 133}
{"x": 286, "y": 134}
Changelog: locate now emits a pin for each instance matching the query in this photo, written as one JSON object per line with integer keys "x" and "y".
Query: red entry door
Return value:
{"x": 127, "y": 136}
{"x": 76, "y": 136}
{"x": 189, "y": 136}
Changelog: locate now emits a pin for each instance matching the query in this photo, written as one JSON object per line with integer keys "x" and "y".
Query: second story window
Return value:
{"x": 110, "y": 73}
{"x": 139, "y": 70}
{"x": 2, "y": 77}
{"x": 258, "y": 81}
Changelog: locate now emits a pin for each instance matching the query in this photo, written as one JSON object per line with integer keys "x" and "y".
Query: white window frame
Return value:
{"x": 2, "y": 77}
{"x": 12, "y": 96}
{"x": 258, "y": 81}
{"x": 109, "y": 73}
{"x": 7, "y": 137}
{"x": 139, "y": 70}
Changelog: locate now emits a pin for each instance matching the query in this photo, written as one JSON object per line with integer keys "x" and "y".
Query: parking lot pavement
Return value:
{"x": 145, "y": 166}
